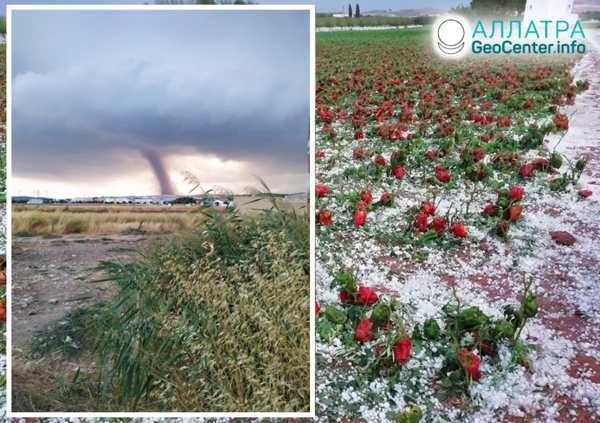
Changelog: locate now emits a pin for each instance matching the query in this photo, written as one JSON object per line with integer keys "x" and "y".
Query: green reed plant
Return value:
{"x": 216, "y": 320}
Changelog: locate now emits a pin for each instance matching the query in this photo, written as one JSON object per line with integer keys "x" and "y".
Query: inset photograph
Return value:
{"x": 160, "y": 231}
{"x": 458, "y": 213}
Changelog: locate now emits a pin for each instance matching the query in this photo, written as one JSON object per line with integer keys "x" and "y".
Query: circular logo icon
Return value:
{"x": 450, "y": 34}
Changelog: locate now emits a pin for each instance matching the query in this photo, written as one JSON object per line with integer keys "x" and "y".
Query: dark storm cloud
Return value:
{"x": 234, "y": 84}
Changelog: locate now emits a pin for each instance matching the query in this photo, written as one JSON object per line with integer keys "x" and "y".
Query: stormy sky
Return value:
{"x": 121, "y": 102}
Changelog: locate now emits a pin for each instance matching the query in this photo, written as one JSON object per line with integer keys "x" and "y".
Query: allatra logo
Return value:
{"x": 451, "y": 34}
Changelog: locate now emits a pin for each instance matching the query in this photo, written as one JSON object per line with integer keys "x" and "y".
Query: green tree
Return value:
{"x": 423, "y": 20}
{"x": 498, "y": 7}
{"x": 3, "y": 26}
{"x": 349, "y": 10}
{"x": 357, "y": 11}
{"x": 185, "y": 200}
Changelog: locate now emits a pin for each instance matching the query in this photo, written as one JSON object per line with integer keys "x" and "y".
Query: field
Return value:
{"x": 368, "y": 21}
{"x": 200, "y": 319}
{"x": 94, "y": 219}
{"x": 457, "y": 233}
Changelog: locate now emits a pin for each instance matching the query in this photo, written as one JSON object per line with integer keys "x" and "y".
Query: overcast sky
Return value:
{"x": 321, "y": 5}
{"x": 121, "y": 102}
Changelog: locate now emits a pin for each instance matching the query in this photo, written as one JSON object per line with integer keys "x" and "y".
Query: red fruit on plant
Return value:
{"x": 484, "y": 348}
{"x": 472, "y": 362}
{"x": 427, "y": 208}
{"x": 320, "y": 154}
{"x": 438, "y": 225}
{"x": 398, "y": 172}
{"x": 470, "y": 358}
{"x": 366, "y": 296}
{"x": 366, "y": 196}
{"x": 364, "y": 331}
{"x": 378, "y": 349}
{"x": 459, "y": 230}
{"x": 516, "y": 193}
{"x": 422, "y": 222}
{"x": 325, "y": 217}
{"x": 475, "y": 373}
{"x": 485, "y": 138}
{"x": 442, "y": 176}
{"x": 526, "y": 171}
{"x": 490, "y": 209}
{"x": 540, "y": 163}
{"x": 478, "y": 153}
{"x": 359, "y": 217}
{"x": 386, "y": 325}
{"x": 515, "y": 212}
{"x": 317, "y": 308}
{"x": 432, "y": 154}
{"x": 358, "y": 153}
{"x": 321, "y": 190}
{"x": 402, "y": 350}
{"x": 381, "y": 160}
{"x": 387, "y": 199}
{"x": 346, "y": 298}
{"x": 585, "y": 193}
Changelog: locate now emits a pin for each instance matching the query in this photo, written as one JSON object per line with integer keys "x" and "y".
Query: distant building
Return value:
{"x": 142, "y": 200}
{"x": 223, "y": 202}
{"x": 35, "y": 201}
{"x": 217, "y": 202}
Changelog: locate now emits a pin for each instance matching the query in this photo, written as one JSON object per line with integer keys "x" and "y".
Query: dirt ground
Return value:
{"x": 48, "y": 274}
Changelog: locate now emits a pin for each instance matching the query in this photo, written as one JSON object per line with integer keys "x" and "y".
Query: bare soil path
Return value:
{"x": 49, "y": 273}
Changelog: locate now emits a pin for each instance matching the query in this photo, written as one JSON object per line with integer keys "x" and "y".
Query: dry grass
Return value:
{"x": 29, "y": 223}
{"x": 37, "y": 388}
{"x": 111, "y": 219}
{"x": 237, "y": 334}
